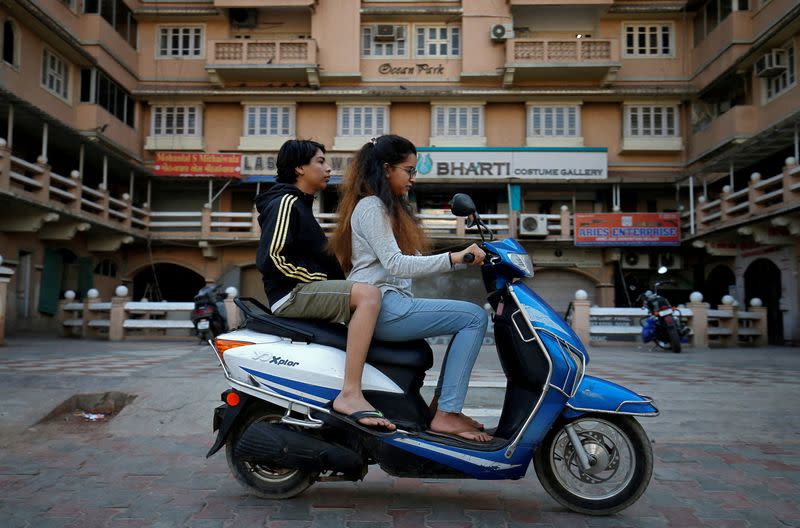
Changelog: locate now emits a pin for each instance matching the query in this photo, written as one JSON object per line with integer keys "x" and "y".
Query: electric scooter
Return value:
{"x": 580, "y": 432}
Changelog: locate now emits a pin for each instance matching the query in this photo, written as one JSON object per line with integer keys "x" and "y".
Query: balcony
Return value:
{"x": 243, "y": 60}
{"x": 735, "y": 125}
{"x": 551, "y": 60}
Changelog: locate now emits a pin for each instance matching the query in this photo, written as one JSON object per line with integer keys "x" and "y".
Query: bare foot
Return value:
{"x": 349, "y": 404}
{"x": 456, "y": 423}
{"x": 434, "y": 406}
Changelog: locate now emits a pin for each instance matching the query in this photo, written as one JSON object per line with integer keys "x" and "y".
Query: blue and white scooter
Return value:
{"x": 281, "y": 435}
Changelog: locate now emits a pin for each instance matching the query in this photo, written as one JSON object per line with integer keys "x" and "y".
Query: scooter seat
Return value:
{"x": 414, "y": 354}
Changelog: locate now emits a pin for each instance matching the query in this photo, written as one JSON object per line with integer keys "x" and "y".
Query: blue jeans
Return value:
{"x": 405, "y": 318}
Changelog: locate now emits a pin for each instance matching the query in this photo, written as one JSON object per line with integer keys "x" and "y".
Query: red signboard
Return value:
{"x": 627, "y": 229}
{"x": 197, "y": 164}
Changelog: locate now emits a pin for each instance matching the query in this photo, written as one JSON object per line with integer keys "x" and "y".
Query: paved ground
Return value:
{"x": 727, "y": 447}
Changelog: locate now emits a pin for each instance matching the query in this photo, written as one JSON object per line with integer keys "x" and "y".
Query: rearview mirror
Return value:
{"x": 462, "y": 205}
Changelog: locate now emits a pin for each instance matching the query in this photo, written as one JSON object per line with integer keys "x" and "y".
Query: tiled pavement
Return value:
{"x": 135, "y": 472}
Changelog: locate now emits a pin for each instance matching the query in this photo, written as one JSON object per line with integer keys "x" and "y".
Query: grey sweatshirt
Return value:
{"x": 377, "y": 259}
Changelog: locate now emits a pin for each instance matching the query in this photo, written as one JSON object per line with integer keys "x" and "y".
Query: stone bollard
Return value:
{"x": 231, "y": 310}
{"x": 5, "y": 278}
{"x": 580, "y": 317}
{"x": 760, "y": 324}
{"x": 116, "y": 330}
{"x": 731, "y": 323}
{"x": 699, "y": 320}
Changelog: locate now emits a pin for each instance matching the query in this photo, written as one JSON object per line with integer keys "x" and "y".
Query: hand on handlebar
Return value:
{"x": 472, "y": 255}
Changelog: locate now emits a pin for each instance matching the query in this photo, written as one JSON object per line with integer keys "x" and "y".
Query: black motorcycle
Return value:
{"x": 209, "y": 316}
{"x": 664, "y": 324}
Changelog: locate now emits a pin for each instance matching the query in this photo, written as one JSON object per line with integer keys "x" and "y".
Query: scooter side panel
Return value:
{"x": 599, "y": 395}
{"x": 310, "y": 372}
{"x": 542, "y": 315}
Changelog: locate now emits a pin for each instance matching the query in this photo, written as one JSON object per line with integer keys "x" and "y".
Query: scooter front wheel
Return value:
{"x": 264, "y": 480}
{"x": 620, "y": 457}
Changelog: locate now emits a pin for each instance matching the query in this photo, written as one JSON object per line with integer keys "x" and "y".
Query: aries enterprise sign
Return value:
{"x": 513, "y": 163}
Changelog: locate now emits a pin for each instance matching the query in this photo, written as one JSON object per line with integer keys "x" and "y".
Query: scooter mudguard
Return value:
{"x": 599, "y": 395}
{"x": 224, "y": 418}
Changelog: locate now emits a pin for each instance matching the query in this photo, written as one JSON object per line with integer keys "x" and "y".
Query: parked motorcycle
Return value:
{"x": 580, "y": 432}
{"x": 209, "y": 317}
{"x": 664, "y": 324}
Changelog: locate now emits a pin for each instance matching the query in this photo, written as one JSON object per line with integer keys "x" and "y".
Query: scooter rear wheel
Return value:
{"x": 621, "y": 458}
{"x": 263, "y": 480}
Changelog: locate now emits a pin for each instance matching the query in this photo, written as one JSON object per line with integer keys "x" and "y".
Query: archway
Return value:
{"x": 169, "y": 282}
{"x": 763, "y": 280}
{"x": 718, "y": 284}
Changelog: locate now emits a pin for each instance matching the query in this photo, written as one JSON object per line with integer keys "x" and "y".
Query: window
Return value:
{"x": 554, "y": 121}
{"x": 458, "y": 121}
{"x": 374, "y": 44}
{"x": 774, "y": 86}
{"x": 712, "y": 14}
{"x": 269, "y": 121}
{"x": 363, "y": 121}
{"x": 117, "y": 14}
{"x": 176, "y": 121}
{"x": 10, "y": 43}
{"x": 106, "y": 268}
{"x": 651, "y": 121}
{"x": 98, "y": 88}
{"x": 438, "y": 41}
{"x": 55, "y": 74}
{"x": 648, "y": 40}
{"x": 180, "y": 41}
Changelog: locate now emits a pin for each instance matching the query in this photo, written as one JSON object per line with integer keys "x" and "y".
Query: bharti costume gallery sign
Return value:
{"x": 197, "y": 164}
{"x": 627, "y": 229}
{"x": 512, "y": 164}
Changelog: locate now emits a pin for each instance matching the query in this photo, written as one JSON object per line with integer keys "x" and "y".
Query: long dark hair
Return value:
{"x": 366, "y": 176}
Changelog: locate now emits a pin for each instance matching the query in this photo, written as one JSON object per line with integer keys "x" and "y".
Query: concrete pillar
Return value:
{"x": 580, "y": 320}
{"x": 699, "y": 324}
{"x": 761, "y": 325}
{"x": 731, "y": 323}
{"x": 5, "y": 278}
{"x": 565, "y": 222}
{"x": 5, "y": 165}
{"x": 205, "y": 229}
{"x": 231, "y": 310}
{"x": 116, "y": 332}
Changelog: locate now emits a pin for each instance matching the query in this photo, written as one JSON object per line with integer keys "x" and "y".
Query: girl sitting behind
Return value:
{"x": 379, "y": 241}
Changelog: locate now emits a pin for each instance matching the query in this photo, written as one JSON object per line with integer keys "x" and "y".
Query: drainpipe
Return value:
{"x": 80, "y": 161}
{"x": 45, "y": 132}
{"x": 796, "y": 141}
{"x": 105, "y": 172}
{"x": 10, "y": 138}
{"x": 730, "y": 175}
{"x": 691, "y": 205}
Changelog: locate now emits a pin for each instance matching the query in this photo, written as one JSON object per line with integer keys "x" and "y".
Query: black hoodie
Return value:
{"x": 292, "y": 246}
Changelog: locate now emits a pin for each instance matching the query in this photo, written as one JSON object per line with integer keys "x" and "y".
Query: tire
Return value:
{"x": 602, "y": 491}
{"x": 261, "y": 480}
{"x": 674, "y": 339}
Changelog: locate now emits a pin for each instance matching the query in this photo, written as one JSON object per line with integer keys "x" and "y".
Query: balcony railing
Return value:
{"x": 263, "y": 60}
{"x": 532, "y": 59}
{"x": 778, "y": 193}
{"x": 55, "y": 193}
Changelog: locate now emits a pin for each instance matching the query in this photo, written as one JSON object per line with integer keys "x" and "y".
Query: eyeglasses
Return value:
{"x": 411, "y": 171}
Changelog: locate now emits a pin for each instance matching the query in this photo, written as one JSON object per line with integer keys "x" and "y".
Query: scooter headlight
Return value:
{"x": 523, "y": 262}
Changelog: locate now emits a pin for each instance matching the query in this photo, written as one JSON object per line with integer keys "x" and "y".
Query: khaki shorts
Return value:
{"x": 326, "y": 299}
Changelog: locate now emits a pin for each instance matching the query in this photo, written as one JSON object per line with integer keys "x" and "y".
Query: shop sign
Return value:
{"x": 197, "y": 164}
{"x": 505, "y": 164}
{"x": 264, "y": 164}
{"x": 387, "y": 68}
{"x": 627, "y": 229}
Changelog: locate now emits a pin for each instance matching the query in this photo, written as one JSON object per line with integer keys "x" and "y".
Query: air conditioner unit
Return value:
{"x": 772, "y": 63}
{"x": 670, "y": 261}
{"x": 634, "y": 260}
{"x": 243, "y": 18}
{"x": 533, "y": 225}
{"x": 386, "y": 32}
{"x": 502, "y": 32}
